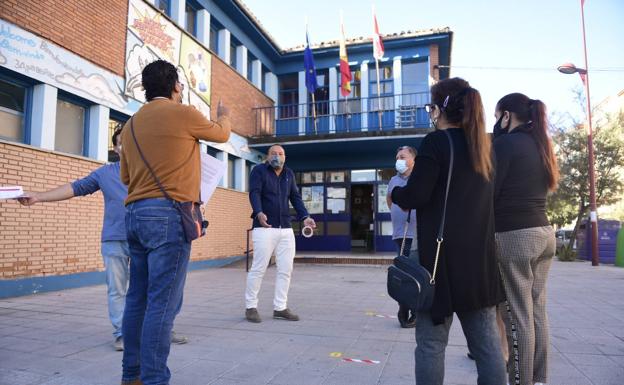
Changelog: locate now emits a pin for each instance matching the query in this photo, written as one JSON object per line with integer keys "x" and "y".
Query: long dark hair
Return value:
{"x": 532, "y": 113}
{"x": 461, "y": 105}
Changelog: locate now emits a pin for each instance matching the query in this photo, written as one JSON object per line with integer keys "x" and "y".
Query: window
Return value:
{"x": 263, "y": 71}
{"x": 321, "y": 95}
{"x": 12, "y": 108}
{"x": 231, "y": 172}
{"x": 116, "y": 121}
{"x": 71, "y": 120}
{"x": 386, "y": 88}
{"x": 288, "y": 96}
{"x": 352, "y": 103}
{"x": 363, "y": 176}
{"x": 415, "y": 77}
{"x": 250, "y": 60}
{"x": 233, "y": 53}
{"x": 214, "y": 39}
{"x": 163, "y": 5}
{"x": 191, "y": 18}
{"x": 248, "y": 167}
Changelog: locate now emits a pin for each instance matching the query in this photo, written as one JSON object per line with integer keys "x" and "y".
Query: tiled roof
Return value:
{"x": 368, "y": 39}
{"x": 335, "y": 43}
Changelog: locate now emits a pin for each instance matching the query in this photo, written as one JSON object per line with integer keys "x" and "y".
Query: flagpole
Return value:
{"x": 314, "y": 112}
{"x": 378, "y": 94}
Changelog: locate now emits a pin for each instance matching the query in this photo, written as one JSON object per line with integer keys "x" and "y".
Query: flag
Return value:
{"x": 310, "y": 71}
{"x": 345, "y": 71}
{"x": 378, "y": 47}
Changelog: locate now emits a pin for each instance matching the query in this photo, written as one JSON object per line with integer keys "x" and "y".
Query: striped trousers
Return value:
{"x": 525, "y": 257}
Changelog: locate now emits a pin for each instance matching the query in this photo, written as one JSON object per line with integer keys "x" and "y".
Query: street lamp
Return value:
{"x": 569, "y": 68}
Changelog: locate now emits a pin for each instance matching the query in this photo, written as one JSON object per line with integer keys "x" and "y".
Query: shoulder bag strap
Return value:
{"x": 440, "y": 238}
{"x": 146, "y": 163}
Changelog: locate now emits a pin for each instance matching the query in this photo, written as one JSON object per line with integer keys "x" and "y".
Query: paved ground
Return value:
{"x": 64, "y": 338}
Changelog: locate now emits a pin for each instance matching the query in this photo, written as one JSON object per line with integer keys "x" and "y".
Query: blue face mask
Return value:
{"x": 276, "y": 162}
{"x": 401, "y": 166}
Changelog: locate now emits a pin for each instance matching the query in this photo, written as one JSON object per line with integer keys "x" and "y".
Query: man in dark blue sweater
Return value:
{"x": 271, "y": 187}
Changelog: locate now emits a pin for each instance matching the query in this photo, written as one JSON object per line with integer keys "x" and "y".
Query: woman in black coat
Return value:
{"x": 467, "y": 277}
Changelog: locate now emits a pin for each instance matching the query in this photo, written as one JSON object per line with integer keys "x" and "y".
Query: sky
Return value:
{"x": 487, "y": 34}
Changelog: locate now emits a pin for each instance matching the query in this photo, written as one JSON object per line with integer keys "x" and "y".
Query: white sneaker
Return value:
{"x": 118, "y": 344}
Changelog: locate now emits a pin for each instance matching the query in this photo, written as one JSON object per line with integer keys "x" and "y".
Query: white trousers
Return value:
{"x": 265, "y": 242}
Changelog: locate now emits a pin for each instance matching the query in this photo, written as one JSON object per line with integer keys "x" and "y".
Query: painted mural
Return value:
{"x": 152, "y": 36}
{"x": 37, "y": 58}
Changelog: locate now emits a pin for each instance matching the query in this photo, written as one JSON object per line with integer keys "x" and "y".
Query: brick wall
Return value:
{"x": 239, "y": 95}
{"x": 434, "y": 60}
{"x": 59, "y": 238}
{"x": 95, "y": 30}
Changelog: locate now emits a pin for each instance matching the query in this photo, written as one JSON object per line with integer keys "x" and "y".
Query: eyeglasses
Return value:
{"x": 429, "y": 107}
{"x": 181, "y": 86}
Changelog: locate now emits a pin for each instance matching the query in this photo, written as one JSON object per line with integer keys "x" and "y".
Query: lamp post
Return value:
{"x": 569, "y": 68}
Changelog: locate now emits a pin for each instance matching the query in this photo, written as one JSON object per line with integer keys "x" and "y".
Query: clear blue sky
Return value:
{"x": 487, "y": 33}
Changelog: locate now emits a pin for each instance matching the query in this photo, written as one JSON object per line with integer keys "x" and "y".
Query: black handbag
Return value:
{"x": 409, "y": 283}
{"x": 193, "y": 222}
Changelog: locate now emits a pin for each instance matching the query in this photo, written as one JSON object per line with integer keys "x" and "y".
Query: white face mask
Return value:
{"x": 401, "y": 166}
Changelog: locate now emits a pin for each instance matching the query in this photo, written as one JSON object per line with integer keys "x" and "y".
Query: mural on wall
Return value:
{"x": 37, "y": 58}
{"x": 150, "y": 37}
{"x": 195, "y": 61}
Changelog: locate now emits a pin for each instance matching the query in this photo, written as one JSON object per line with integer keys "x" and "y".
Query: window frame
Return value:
{"x": 86, "y": 104}
{"x": 19, "y": 81}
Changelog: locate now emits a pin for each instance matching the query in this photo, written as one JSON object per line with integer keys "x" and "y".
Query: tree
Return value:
{"x": 571, "y": 200}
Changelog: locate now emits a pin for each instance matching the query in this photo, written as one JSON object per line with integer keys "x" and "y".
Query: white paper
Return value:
{"x": 212, "y": 170}
{"x": 336, "y": 205}
{"x": 336, "y": 192}
{"x": 11, "y": 192}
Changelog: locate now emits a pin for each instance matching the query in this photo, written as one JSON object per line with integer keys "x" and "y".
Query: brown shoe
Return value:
{"x": 252, "y": 315}
{"x": 132, "y": 382}
{"x": 285, "y": 314}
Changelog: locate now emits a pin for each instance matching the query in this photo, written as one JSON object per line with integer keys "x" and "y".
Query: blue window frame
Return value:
{"x": 164, "y": 5}
{"x": 250, "y": 60}
{"x": 116, "y": 120}
{"x": 72, "y": 123}
{"x": 214, "y": 39}
{"x": 190, "y": 14}
{"x": 15, "y": 107}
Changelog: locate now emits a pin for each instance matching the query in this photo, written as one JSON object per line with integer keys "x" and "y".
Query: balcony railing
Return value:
{"x": 385, "y": 113}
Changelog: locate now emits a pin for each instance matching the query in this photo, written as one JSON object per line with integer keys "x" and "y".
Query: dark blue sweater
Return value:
{"x": 270, "y": 193}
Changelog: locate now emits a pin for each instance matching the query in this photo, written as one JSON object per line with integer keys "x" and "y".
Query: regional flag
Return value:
{"x": 378, "y": 47}
{"x": 310, "y": 71}
{"x": 345, "y": 71}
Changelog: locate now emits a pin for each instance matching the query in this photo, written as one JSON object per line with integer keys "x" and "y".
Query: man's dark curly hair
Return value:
{"x": 159, "y": 79}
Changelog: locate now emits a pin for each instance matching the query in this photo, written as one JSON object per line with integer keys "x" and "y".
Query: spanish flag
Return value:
{"x": 345, "y": 71}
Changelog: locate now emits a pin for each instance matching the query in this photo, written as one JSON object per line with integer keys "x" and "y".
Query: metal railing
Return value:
{"x": 391, "y": 112}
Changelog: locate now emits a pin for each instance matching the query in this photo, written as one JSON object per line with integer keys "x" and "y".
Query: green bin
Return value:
{"x": 619, "y": 249}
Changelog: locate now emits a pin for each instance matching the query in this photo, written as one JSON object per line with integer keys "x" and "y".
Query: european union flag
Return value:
{"x": 310, "y": 71}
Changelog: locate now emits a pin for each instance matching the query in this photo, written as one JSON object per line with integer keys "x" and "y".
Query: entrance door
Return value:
{"x": 362, "y": 217}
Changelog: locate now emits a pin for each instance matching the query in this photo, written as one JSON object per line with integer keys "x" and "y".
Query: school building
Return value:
{"x": 70, "y": 74}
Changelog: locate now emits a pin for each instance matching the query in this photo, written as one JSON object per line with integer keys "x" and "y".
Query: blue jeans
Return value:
{"x": 160, "y": 256}
{"x": 116, "y": 255}
{"x": 483, "y": 339}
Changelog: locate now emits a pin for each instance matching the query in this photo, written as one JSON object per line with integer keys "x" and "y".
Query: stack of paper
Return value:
{"x": 11, "y": 192}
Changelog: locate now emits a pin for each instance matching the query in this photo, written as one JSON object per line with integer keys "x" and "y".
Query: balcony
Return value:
{"x": 343, "y": 117}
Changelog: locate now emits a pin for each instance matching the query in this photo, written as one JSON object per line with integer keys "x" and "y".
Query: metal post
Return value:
{"x": 590, "y": 149}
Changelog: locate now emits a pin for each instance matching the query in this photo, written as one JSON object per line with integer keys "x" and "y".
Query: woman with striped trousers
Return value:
{"x": 526, "y": 170}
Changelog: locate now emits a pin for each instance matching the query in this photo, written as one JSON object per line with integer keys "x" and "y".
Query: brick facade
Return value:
{"x": 94, "y": 30}
{"x": 239, "y": 95}
{"x": 57, "y": 238}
